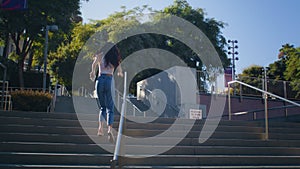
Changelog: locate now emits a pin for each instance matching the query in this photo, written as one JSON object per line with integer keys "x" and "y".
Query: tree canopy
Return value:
{"x": 124, "y": 21}
{"x": 286, "y": 68}
{"x": 292, "y": 60}
{"x": 26, "y": 27}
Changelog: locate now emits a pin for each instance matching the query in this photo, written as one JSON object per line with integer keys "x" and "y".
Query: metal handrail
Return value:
{"x": 64, "y": 91}
{"x": 135, "y": 108}
{"x": 6, "y": 102}
{"x": 260, "y": 110}
{"x": 121, "y": 124}
{"x": 173, "y": 107}
{"x": 265, "y": 97}
{"x": 3, "y": 84}
{"x": 51, "y": 106}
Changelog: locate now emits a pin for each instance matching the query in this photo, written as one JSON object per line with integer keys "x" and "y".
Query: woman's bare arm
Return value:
{"x": 94, "y": 66}
{"x": 120, "y": 72}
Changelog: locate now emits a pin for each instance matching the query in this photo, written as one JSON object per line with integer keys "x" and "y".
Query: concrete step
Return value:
{"x": 39, "y": 122}
{"x": 57, "y": 140}
{"x": 151, "y": 133}
{"x": 30, "y": 166}
{"x": 54, "y": 158}
{"x": 39, "y": 115}
{"x": 211, "y": 166}
{"x": 50, "y": 118}
{"x": 60, "y": 123}
{"x": 94, "y": 117}
{"x": 84, "y": 139}
{"x": 51, "y": 138}
{"x": 158, "y": 160}
{"x": 60, "y": 126}
{"x": 68, "y": 148}
{"x": 30, "y": 129}
{"x": 213, "y": 160}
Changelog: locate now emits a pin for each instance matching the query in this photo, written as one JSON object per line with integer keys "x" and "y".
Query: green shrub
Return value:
{"x": 29, "y": 100}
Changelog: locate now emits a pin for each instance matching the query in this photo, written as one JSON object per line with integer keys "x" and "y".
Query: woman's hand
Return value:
{"x": 120, "y": 74}
{"x": 92, "y": 76}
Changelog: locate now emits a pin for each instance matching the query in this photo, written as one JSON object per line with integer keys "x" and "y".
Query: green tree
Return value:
{"x": 291, "y": 56}
{"x": 277, "y": 69}
{"x": 209, "y": 26}
{"x": 63, "y": 60}
{"x": 252, "y": 76}
{"x": 127, "y": 20}
{"x": 25, "y": 27}
{"x": 283, "y": 69}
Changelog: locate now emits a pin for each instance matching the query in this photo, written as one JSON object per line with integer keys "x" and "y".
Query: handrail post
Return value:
{"x": 229, "y": 102}
{"x": 119, "y": 146}
{"x": 266, "y": 117}
{"x": 285, "y": 96}
{"x": 266, "y": 106}
{"x": 118, "y": 101}
{"x": 254, "y": 115}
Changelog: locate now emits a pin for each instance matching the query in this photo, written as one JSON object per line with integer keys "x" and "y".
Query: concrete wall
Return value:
{"x": 175, "y": 88}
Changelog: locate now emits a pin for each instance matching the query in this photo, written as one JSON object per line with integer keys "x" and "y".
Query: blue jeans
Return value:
{"x": 105, "y": 89}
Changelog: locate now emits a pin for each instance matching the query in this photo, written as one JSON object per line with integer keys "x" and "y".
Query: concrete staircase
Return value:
{"x": 57, "y": 140}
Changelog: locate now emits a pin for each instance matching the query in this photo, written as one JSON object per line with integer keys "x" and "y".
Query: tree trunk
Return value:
{"x": 7, "y": 46}
{"x": 29, "y": 65}
{"x": 22, "y": 53}
{"x": 20, "y": 72}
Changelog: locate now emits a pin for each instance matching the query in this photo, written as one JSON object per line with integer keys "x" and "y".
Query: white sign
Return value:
{"x": 195, "y": 114}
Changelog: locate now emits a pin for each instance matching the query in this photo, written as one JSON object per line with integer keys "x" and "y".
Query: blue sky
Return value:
{"x": 260, "y": 26}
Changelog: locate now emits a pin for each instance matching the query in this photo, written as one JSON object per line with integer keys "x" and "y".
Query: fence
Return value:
{"x": 265, "y": 94}
{"x": 6, "y": 103}
{"x": 278, "y": 87}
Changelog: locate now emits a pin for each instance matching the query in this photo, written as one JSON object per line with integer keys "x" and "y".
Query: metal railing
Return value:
{"x": 6, "y": 101}
{"x": 265, "y": 93}
{"x": 3, "y": 84}
{"x": 61, "y": 90}
{"x": 135, "y": 109}
{"x": 51, "y": 106}
{"x": 121, "y": 125}
{"x": 279, "y": 87}
{"x": 261, "y": 110}
{"x": 161, "y": 100}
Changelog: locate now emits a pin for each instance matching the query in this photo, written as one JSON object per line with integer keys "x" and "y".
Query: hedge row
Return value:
{"x": 29, "y": 100}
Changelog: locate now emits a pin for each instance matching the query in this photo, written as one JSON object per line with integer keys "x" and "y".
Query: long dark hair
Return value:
{"x": 112, "y": 54}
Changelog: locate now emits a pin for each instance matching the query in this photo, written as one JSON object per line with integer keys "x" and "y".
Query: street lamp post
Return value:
{"x": 48, "y": 28}
{"x": 232, "y": 52}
